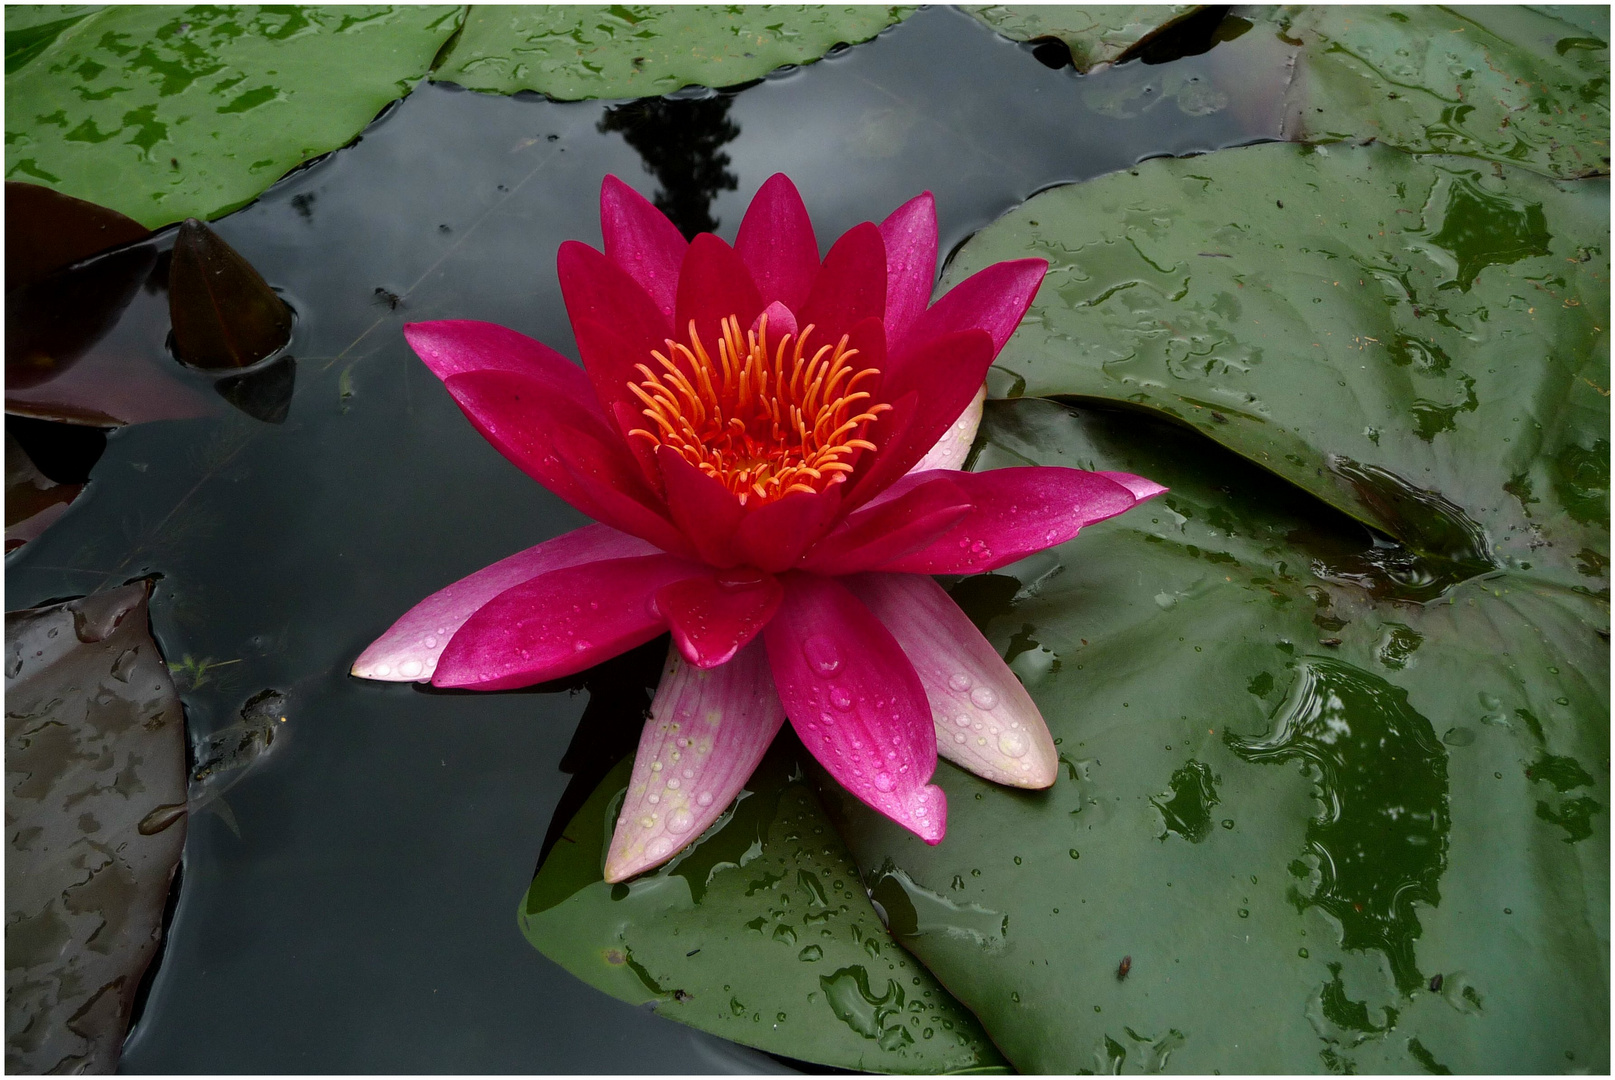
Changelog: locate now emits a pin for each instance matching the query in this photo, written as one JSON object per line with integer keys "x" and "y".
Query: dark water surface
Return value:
{"x": 351, "y": 907}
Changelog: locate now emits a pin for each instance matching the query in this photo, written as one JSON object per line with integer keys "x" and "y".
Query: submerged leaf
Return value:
{"x": 47, "y": 231}
{"x": 223, "y": 312}
{"x": 95, "y": 823}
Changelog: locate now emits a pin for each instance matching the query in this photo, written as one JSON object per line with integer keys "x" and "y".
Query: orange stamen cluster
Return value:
{"x": 763, "y": 422}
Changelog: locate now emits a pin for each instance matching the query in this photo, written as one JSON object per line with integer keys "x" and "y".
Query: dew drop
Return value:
{"x": 959, "y": 738}
{"x": 705, "y": 798}
{"x": 409, "y": 668}
{"x": 822, "y": 655}
{"x": 884, "y": 782}
{"x": 654, "y": 799}
{"x": 658, "y": 847}
{"x": 384, "y": 669}
{"x": 840, "y": 698}
{"x": 429, "y": 641}
{"x": 984, "y": 697}
{"x": 1014, "y": 744}
{"x": 582, "y": 645}
{"x": 680, "y": 820}
{"x": 959, "y": 682}
{"x": 962, "y": 720}
{"x": 689, "y": 774}
{"x": 673, "y": 783}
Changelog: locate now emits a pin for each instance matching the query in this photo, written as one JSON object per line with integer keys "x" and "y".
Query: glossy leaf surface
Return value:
{"x": 48, "y": 231}
{"x": 629, "y": 51}
{"x": 165, "y": 113}
{"x": 95, "y": 823}
{"x": 1097, "y": 35}
{"x": 761, "y": 933}
{"x": 1419, "y": 342}
{"x": 1367, "y": 831}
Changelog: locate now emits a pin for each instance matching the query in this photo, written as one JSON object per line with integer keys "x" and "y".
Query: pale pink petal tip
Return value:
{"x": 410, "y": 649}
{"x": 781, "y": 321}
{"x": 951, "y": 450}
{"x": 707, "y": 732}
{"x": 1140, "y": 487}
{"x": 985, "y": 720}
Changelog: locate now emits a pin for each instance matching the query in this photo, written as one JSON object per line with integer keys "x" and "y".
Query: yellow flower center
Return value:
{"x": 762, "y": 421}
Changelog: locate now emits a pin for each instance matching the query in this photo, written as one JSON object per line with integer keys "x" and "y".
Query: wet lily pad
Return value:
{"x": 95, "y": 823}
{"x": 761, "y": 933}
{"x": 164, "y": 113}
{"x": 1524, "y": 86}
{"x": 1097, "y": 36}
{"x": 1421, "y": 342}
{"x": 629, "y": 51}
{"x": 1292, "y": 808}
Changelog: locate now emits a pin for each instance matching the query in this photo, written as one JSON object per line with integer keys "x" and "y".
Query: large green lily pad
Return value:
{"x": 1097, "y": 35}
{"x": 1297, "y": 829}
{"x": 1422, "y": 342}
{"x": 1520, "y": 85}
{"x": 164, "y": 113}
{"x": 761, "y": 932}
{"x": 630, "y": 50}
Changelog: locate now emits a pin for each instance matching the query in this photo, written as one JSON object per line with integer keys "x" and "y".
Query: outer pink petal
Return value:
{"x": 560, "y": 622}
{"x": 773, "y": 536}
{"x": 641, "y": 240}
{"x": 857, "y": 704}
{"x": 984, "y": 719}
{"x": 713, "y": 285}
{"x": 704, "y": 510}
{"x": 910, "y": 235}
{"x": 713, "y": 616}
{"x": 707, "y": 732}
{"x": 953, "y": 447}
{"x": 851, "y": 286}
{"x": 956, "y": 365}
{"x": 891, "y": 527}
{"x": 1140, "y": 487}
{"x": 993, "y": 299}
{"x": 456, "y": 346}
{"x": 777, "y": 244}
{"x": 409, "y": 650}
{"x": 1017, "y": 512}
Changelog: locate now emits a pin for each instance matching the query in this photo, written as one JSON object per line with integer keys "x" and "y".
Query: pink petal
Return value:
{"x": 704, "y": 510}
{"x": 776, "y": 243}
{"x": 713, "y": 285}
{"x": 891, "y": 527}
{"x": 641, "y": 240}
{"x": 560, "y": 622}
{"x": 953, "y": 447}
{"x": 1017, "y": 512}
{"x": 569, "y": 451}
{"x": 773, "y": 536}
{"x": 713, "y": 616}
{"x": 409, "y": 650}
{"x": 910, "y": 235}
{"x": 612, "y": 362}
{"x": 1140, "y": 487}
{"x": 851, "y": 286}
{"x": 993, "y": 299}
{"x": 955, "y": 366}
{"x": 781, "y": 321}
{"x": 856, "y": 702}
{"x": 597, "y": 289}
{"x": 983, "y": 717}
{"x": 456, "y": 346}
{"x": 707, "y": 732}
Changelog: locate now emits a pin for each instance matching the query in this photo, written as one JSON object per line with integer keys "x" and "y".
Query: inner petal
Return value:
{"x": 764, "y": 416}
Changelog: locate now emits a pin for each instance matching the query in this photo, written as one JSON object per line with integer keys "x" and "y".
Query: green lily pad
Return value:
{"x": 627, "y": 51}
{"x": 1524, "y": 86}
{"x": 164, "y": 113}
{"x": 760, "y": 932}
{"x": 1419, "y": 341}
{"x": 1297, "y": 829}
{"x": 1097, "y": 36}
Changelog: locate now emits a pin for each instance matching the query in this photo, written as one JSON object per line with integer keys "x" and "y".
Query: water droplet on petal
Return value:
{"x": 679, "y": 821}
{"x": 583, "y": 645}
{"x": 409, "y": 668}
{"x": 840, "y": 698}
{"x": 384, "y": 669}
{"x": 884, "y": 782}
{"x": 984, "y": 697}
{"x": 822, "y": 655}
{"x": 740, "y": 577}
{"x": 658, "y": 847}
{"x": 959, "y": 682}
{"x": 705, "y": 798}
{"x": 959, "y": 738}
{"x": 429, "y": 641}
{"x": 962, "y": 720}
{"x": 1014, "y": 743}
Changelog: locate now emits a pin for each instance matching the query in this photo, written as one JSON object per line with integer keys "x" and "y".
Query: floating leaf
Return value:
{"x": 33, "y": 500}
{"x": 1518, "y": 85}
{"x": 95, "y": 823}
{"x": 1418, "y": 341}
{"x": 223, "y": 313}
{"x": 1372, "y": 823}
{"x": 1097, "y": 36}
{"x": 49, "y": 231}
{"x": 760, "y": 932}
{"x": 628, "y": 51}
{"x": 164, "y": 113}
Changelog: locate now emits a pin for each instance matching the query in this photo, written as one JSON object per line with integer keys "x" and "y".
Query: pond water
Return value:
{"x": 349, "y": 904}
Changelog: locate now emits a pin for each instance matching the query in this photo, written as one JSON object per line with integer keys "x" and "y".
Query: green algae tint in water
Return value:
{"x": 1380, "y": 844}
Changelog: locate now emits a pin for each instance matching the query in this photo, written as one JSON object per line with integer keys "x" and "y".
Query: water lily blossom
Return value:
{"x": 769, "y": 443}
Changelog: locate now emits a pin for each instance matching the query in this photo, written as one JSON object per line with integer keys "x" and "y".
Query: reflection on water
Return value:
{"x": 681, "y": 140}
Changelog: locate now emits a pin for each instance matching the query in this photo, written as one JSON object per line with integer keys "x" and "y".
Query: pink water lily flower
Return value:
{"x": 770, "y": 443}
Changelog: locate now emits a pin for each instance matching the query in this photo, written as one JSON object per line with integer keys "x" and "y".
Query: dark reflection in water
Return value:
{"x": 363, "y": 919}
{"x": 681, "y": 140}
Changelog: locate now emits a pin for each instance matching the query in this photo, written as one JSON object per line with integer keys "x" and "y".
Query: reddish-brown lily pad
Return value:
{"x": 33, "y": 500}
{"x": 224, "y": 314}
{"x": 95, "y": 823}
